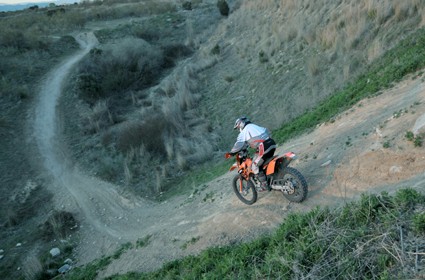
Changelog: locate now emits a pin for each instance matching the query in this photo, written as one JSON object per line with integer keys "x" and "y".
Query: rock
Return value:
{"x": 418, "y": 127}
{"x": 55, "y": 252}
{"x": 51, "y": 272}
{"x": 65, "y": 268}
{"x": 395, "y": 169}
{"x": 1, "y": 257}
{"x": 1, "y": 251}
{"x": 18, "y": 244}
{"x": 326, "y": 163}
{"x": 68, "y": 261}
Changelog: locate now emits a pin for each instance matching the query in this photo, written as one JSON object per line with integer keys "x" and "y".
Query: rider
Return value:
{"x": 256, "y": 137}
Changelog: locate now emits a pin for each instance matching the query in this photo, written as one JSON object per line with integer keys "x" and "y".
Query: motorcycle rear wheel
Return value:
{"x": 248, "y": 194}
{"x": 295, "y": 180}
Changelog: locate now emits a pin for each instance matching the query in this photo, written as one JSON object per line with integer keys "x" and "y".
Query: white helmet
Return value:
{"x": 241, "y": 122}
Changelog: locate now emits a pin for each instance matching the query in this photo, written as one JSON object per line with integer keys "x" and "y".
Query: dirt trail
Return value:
{"x": 340, "y": 160}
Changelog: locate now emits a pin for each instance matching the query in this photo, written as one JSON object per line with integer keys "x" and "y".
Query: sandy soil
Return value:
{"x": 340, "y": 160}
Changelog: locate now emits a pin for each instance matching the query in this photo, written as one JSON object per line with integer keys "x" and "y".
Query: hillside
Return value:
{"x": 146, "y": 98}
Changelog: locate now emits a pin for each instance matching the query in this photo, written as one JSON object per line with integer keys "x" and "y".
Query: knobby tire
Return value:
{"x": 250, "y": 195}
{"x": 301, "y": 187}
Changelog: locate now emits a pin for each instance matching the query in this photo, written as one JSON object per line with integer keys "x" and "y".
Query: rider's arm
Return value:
{"x": 237, "y": 147}
{"x": 241, "y": 143}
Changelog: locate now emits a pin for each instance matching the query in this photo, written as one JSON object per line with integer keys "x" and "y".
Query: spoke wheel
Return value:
{"x": 244, "y": 190}
{"x": 296, "y": 184}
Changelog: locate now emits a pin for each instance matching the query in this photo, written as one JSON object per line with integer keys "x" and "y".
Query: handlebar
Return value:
{"x": 242, "y": 154}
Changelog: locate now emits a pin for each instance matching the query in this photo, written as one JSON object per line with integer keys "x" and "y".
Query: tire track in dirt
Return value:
{"x": 101, "y": 208}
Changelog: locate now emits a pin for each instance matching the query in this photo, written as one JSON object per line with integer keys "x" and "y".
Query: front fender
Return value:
{"x": 233, "y": 167}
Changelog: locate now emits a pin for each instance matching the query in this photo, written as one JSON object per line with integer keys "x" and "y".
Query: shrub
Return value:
{"x": 419, "y": 223}
{"x": 143, "y": 242}
{"x": 89, "y": 87}
{"x": 148, "y": 133}
{"x": 58, "y": 225}
{"x": 223, "y": 7}
{"x": 173, "y": 52}
{"x": 187, "y": 5}
{"x": 386, "y": 144}
{"x": 262, "y": 56}
{"x": 409, "y": 135}
{"x": 131, "y": 64}
{"x": 417, "y": 140}
{"x": 215, "y": 50}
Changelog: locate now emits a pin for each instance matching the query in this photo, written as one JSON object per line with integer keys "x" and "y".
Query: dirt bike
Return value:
{"x": 279, "y": 175}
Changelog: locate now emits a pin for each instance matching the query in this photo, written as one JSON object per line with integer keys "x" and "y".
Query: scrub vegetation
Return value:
{"x": 376, "y": 237}
{"x": 151, "y": 108}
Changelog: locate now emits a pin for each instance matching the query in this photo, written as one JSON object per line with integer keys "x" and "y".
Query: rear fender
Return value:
{"x": 287, "y": 158}
{"x": 283, "y": 161}
{"x": 271, "y": 166}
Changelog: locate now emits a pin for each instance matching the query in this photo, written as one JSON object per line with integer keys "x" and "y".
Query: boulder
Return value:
{"x": 55, "y": 252}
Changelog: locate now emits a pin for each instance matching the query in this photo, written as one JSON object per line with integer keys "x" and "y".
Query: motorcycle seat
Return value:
{"x": 268, "y": 161}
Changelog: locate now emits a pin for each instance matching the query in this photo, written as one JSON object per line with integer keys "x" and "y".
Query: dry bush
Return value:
{"x": 97, "y": 118}
{"x": 23, "y": 203}
{"x": 330, "y": 24}
{"x": 58, "y": 225}
{"x": 127, "y": 171}
{"x": 114, "y": 9}
{"x": 328, "y": 36}
{"x": 313, "y": 66}
{"x": 131, "y": 63}
{"x": 375, "y": 50}
{"x": 33, "y": 267}
{"x": 173, "y": 52}
{"x": 404, "y": 10}
{"x": 148, "y": 132}
{"x": 174, "y": 135}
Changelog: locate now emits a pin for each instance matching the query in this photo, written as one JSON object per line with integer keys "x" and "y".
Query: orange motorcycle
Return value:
{"x": 279, "y": 175}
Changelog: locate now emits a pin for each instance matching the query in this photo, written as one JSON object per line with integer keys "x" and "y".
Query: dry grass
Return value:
{"x": 58, "y": 225}
{"x": 339, "y": 22}
{"x": 313, "y": 65}
{"x": 97, "y": 117}
{"x": 32, "y": 266}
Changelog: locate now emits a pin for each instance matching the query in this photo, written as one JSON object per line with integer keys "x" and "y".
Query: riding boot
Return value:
{"x": 263, "y": 181}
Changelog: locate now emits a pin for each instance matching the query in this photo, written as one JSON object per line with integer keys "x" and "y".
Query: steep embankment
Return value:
{"x": 340, "y": 160}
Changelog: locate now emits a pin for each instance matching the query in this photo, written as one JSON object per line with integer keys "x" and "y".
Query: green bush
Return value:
{"x": 409, "y": 135}
{"x": 419, "y": 223}
{"x": 418, "y": 141}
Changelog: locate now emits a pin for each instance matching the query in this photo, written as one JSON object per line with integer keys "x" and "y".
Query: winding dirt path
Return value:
{"x": 340, "y": 161}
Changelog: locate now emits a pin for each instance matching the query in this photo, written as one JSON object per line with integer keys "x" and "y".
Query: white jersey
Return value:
{"x": 252, "y": 135}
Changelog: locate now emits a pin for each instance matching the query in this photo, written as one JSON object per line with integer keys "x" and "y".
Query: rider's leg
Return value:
{"x": 257, "y": 169}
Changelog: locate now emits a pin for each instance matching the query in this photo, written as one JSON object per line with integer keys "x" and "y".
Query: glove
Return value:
{"x": 229, "y": 155}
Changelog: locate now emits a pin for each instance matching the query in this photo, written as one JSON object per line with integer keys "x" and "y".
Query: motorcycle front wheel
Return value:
{"x": 244, "y": 190}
